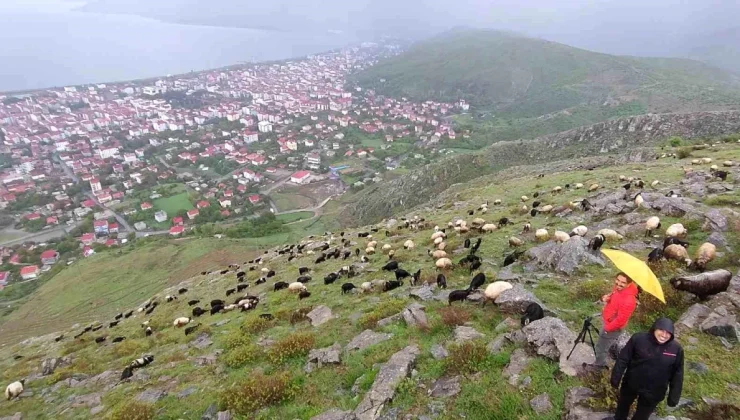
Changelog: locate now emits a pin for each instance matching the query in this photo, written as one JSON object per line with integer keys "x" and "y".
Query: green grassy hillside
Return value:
{"x": 256, "y": 368}
{"x": 520, "y": 79}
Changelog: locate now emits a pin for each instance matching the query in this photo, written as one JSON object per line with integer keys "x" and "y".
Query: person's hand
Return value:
{"x": 605, "y": 298}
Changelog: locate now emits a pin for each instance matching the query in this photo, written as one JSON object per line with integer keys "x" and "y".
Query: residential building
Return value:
{"x": 30, "y": 272}
{"x": 300, "y": 177}
{"x": 160, "y": 216}
{"x": 49, "y": 257}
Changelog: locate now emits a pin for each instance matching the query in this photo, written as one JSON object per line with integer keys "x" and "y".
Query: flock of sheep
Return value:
{"x": 342, "y": 247}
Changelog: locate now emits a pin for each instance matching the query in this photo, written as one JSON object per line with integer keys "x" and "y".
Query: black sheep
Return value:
{"x": 279, "y": 286}
{"x": 58, "y": 339}
{"x": 402, "y": 274}
{"x": 198, "y": 311}
{"x": 224, "y": 271}
{"x": 97, "y": 327}
{"x": 193, "y": 302}
{"x": 536, "y": 194}
{"x": 241, "y": 274}
{"x": 241, "y": 287}
{"x": 303, "y": 279}
{"x": 128, "y": 372}
{"x": 721, "y": 175}
{"x": 674, "y": 241}
{"x": 471, "y": 212}
{"x": 363, "y": 234}
{"x": 150, "y": 310}
{"x": 533, "y": 212}
{"x": 270, "y": 273}
{"x": 655, "y": 255}
{"x": 536, "y": 204}
{"x": 100, "y": 339}
{"x": 330, "y": 278}
{"x": 346, "y": 255}
{"x": 346, "y": 287}
{"x": 392, "y": 284}
{"x": 118, "y": 339}
{"x": 586, "y": 205}
{"x": 182, "y": 290}
{"x": 190, "y": 330}
{"x": 217, "y": 302}
{"x": 88, "y": 328}
{"x": 416, "y": 277}
{"x": 457, "y": 295}
{"x": 391, "y": 266}
{"x": 266, "y": 316}
{"x": 303, "y": 294}
{"x": 596, "y": 242}
{"x": 511, "y": 258}
{"x": 466, "y": 244}
{"x": 320, "y": 260}
{"x": 503, "y": 222}
{"x": 303, "y": 270}
{"x": 532, "y": 313}
{"x": 441, "y": 281}
{"x": 477, "y": 281}
{"x": 475, "y": 247}
{"x": 261, "y": 280}
{"x": 113, "y": 324}
{"x": 216, "y": 309}
{"x": 128, "y": 314}
{"x": 357, "y": 252}
{"x": 229, "y": 292}
{"x": 119, "y": 316}
{"x": 148, "y": 331}
{"x": 474, "y": 266}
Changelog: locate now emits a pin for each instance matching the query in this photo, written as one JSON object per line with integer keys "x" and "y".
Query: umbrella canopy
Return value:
{"x": 637, "y": 270}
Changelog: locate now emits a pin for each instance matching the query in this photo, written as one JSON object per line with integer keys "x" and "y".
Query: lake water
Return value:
{"x": 39, "y": 50}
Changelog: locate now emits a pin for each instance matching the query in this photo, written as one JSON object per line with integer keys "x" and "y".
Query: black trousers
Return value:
{"x": 627, "y": 396}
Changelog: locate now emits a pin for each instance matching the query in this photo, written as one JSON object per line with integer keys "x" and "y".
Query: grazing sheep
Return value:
{"x": 230, "y": 292}
{"x": 477, "y": 223}
{"x": 369, "y": 251}
{"x": 457, "y": 295}
{"x": 443, "y": 263}
{"x": 330, "y": 278}
{"x": 118, "y": 339}
{"x": 100, "y": 339}
{"x": 545, "y": 209}
{"x": 217, "y": 302}
{"x": 593, "y": 187}
{"x": 441, "y": 246}
{"x": 494, "y": 289}
{"x": 533, "y": 312}
{"x": 392, "y": 284}
{"x": 366, "y": 286}
{"x": 610, "y": 234}
{"x": 279, "y": 286}
{"x": 721, "y": 175}
{"x": 438, "y": 254}
{"x": 524, "y": 198}
{"x": 128, "y": 314}
{"x": 639, "y": 200}
{"x": 676, "y": 253}
{"x": 113, "y": 324}
{"x": 303, "y": 294}
{"x": 578, "y": 186}
{"x": 191, "y": 329}
{"x": 261, "y": 280}
{"x": 391, "y": 266}
{"x": 303, "y": 270}
{"x": 270, "y": 273}
{"x": 438, "y": 240}
{"x": 148, "y": 331}
{"x": 303, "y": 279}
{"x": 477, "y": 281}
{"x": 441, "y": 281}
{"x": 181, "y": 321}
{"x": 119, "y": 316}
{"x": 402, "y": 274}
{"x": 527, "y": 227}
{"x": 596, "y": 242}
{"x": 497, "y": 202}
{"x": 241, "y": 287}
{"x": 511, "y": 258}
{"x": 672, "y": 240}
{"x": 15, "y": 389}
{"x": 515, "y": 242}
{"x": 704, "y": 284}
{"x": 475, "y": 246}
{"x": 655, "y": 183}
{"x": 346, "y": 287}
{"x": 170, "y": 298}
{"x": 182, "y": 290}
{"x": 541, "y": 235}
{"x": 704, "y": 255}
{"x": 216, "y": 309}
{"x": 579, "y": 231}
{"x": 676, "y": 230}
{"x": 728, "y": 163}
{"x": 229, "y": 308}
{"x": 651, "y": 224}
{"x": 436, "y": 235}
{"x": 59, "y": 338}
{"x": 371, "y": 244}
{"x": 296, "y": 287}
{"x": 488, "y": 228}
{"x": 655, "y": 255}
{"x": 559, "y": 236}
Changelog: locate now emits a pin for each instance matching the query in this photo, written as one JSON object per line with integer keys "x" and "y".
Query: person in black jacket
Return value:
{"x": 647, "y": 366}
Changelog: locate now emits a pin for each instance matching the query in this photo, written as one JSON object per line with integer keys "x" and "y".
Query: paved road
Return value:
{"x": 67, "y": 169}
{"x": 42, "y": 236}
{"x": 313, "y": 209}
{"x": 119, "y": 218}
{"x": 267, "y": 190}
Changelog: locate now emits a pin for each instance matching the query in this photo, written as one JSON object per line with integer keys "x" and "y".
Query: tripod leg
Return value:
{"x": 580, "y": 339}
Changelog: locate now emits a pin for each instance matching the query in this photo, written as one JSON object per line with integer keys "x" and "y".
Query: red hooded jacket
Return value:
{"x": 619, "y": 308}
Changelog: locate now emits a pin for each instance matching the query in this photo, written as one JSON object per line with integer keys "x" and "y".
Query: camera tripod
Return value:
{"x": 587, "y": 328}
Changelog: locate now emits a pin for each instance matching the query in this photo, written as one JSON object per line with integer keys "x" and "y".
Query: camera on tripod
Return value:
{"x": 581, "y": 338}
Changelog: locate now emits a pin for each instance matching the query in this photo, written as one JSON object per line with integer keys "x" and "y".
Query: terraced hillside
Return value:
{"x": 406, "y": 352}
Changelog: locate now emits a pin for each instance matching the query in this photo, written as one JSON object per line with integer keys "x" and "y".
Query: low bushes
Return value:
{"x": 257, "y": 392}
{"x": 291, "y": 346}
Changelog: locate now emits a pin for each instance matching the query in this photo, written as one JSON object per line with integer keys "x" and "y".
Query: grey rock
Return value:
{"x": 526, "y": 381}
{"x": 552, "y": 338}
{"x": 319, "y": 315}
{"x": 210, "y": 413}
{"x": 716, "y": 221}
{"x": 682, "y": 403}
{"x": 425, "y": 292}
{"x": 475, "y": 296}
{"x": 507, "y": 274}
{"x": 516, "y": 299}
{"x": 48, "y": 366}
{"x": 514, "y": 380}
{"x": 223, "y": 415}
{"x": 721, "y": 326}
{"x": 89, "y": 400}
{"x": 725, "y": 343}
{"x": 187, "y": 391}
{"x": 16, "y": 416}
{"x": 366, "y": 339}
{"x": 151, "y": 396}
{"x": 445, "y": 387}
{"x": 356, "y": 386}
{"x": 334, "y": 414}
{"x": 439, "y": 352}
{"x": 541, "y": 403}
{"x": 518, "y": 361}
{"x": 383, "y": 389}
{"x": 507, "y": 324}
{"x": 208, "y": 359}
{"x": 390, "y": 320}
{"x": 102, "y": 379}
{"x": 618, "y": 345}
{"x": 202, "y": 341}
{"x": 711, "y": 401}
{"x": 516, "y": 337}
{"x": 463, "y": 333}
{"x": 692, "y": 318}
{"x": 564, "y": 258}
{"x": 574, "y": 410}
{"x": 222, "y": 322}
{"x": 97, "y": 410}
{"x": 443, "y": 295}
{"x": 677, "y": 207}
{"x": 496, "y": 344}
{"x": 415, "y": 317}
{"x": 718, "y": 239}
{"x": 317, "y": 358}
{"x": 697, "y": 367}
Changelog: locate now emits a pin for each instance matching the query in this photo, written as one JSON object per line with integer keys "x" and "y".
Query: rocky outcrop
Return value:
{"x": 319, "y": 315}
{"x": 692, "y": 318}
{"x": 722, "y": 326}
{"x": 445, "y": 387}
{"x": 518, "y": 361}
{"x": 575, "y": 407}
{"x": 463, "y": 333}
{"x": 325, "y": 356}
{"x": 383, "y": 389}
{"x": 564, "y": 258}
{"x": 366, "y": 339}
{"x": 551, "y": 338}
{"x": 541, "y": 404}
{"x": 516, "y": 300}
{"x": 48, "y": 366}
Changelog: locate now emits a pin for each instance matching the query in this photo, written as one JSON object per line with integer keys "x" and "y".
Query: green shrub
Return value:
{"x": 258, "y": 392}
{"x": 133, "y": 410}
{"x": 382, "y": 310}
{"x": 240, "y": 356}
{"x": 294, "y": 345}
{"x": 129, "y": 347}
{"x": 256, "y": 325}
{"x": 650, "y": 308}
{"x": 467, "y": 357}
{"x": 454, "y": 315}
{"x": 683, "y": 152}
{"x": 236, "y": 340}
{"x": 590, "y": 290}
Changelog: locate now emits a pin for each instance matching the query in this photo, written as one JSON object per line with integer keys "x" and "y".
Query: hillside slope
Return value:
{"x": 619, "y": 137}
{"x": 257, "y": 368}
{"x": 527, "y": 77}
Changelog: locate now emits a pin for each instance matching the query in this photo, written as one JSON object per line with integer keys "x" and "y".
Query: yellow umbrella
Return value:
{"x": 637, "y": 270}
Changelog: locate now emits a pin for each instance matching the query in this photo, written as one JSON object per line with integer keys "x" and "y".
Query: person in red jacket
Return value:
{"x": 620, "y": 304}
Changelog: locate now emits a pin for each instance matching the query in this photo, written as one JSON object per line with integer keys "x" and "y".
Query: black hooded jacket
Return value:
{"x": 649, "y": 367}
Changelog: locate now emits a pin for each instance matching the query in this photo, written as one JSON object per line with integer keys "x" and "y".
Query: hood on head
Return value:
{"x": 663, "y": 324}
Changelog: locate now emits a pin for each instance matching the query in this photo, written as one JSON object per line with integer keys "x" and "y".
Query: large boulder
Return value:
{"x": 551, "y": 338}
{"x": 445, "y": 387}
{"x": 319, "y": 315}
{"x": 575, "y": 409}
{"x": 383, "y": 389}
{"x": 463, "y": 333}
{"x": 366, "y": 339}
{"x": 677, "y": 207}
{"x": 715, "y": 220}
{"x": 325, "y": 356}
{"x": 48, "y": 366}
{"x": 425, "y": 292}
{"x": 517, "y": 362}
{"x": 692, "y": 318}
{"x": 564, "y": 258}
{"x": 722, "y": 326}
{"x": 516, "y": 299}
{"x": 414, "y": 316}
{"x": 541, "y": 404}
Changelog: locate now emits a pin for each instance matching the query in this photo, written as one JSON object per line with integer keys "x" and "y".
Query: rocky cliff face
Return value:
{"x": 623, "y": 137}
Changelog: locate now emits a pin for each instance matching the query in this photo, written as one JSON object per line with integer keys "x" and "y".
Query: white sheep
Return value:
{"x": 705, "y": 254}
{"x": 579, "y": 186}
{"x": 497, "y": 201}
{"x": 515, "y": 242}
{"x": 436, "y": 241}
{"x": 545, "y": 209}
{"x": 477, "y": 222}
{"x": 610, "y": 234}
{"x": 706, "y": 160}
{"x": 439, "y": 254}
{"x": 265, "y": 270}
{"x": 409, "y": 244}
{"x": 557, "y": 189}
{"x": 366, "y": 286}
{"x": 441, "y": 246}
{"x": 387, "y": 247}
{"x": 179, "y": 322}
{"x": 233, "y": 306}
{"x": 728, "y": 163}
{"x": 489, "y": 227}
{"x": 297, "y": 287}
{"x": 369, "y": 250}
{"x": 524, "y": 198}
{"x": 639, "y": 200}
{"x": 15, "y": 389}
{"x": 372, "y": 244}
{"x": 651, "y": 224}
{"x": 436, "y": 235}
{"x": 541, "y": 235}
{"x": 495, "y": 289}
{"x": 579, "y": 231}
{"x": 676, "y": 252}
{"x": 560, "y": 236}
{"x": 593, "y": 187}
{"x": 443, "y": 263}
{"x": 676, "y": 230}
